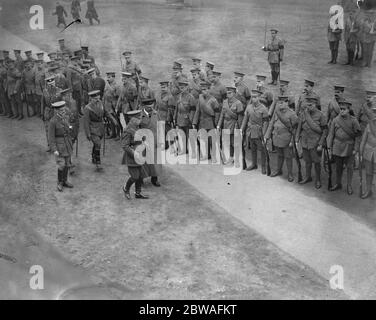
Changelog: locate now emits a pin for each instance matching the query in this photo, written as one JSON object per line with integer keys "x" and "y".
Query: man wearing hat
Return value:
{"x": 145, "y": 92}
{"x": 281, "y": 129}
{"x": 131, "y": 66}
{"x": 51, "y": 94}
{"x": 197, "y": 66}
{"x": 60, "y": 80}
{"x": 60, "y": 13}
{"x": 4, "y": 102}
{"x": 204, "y": 119}
{"x": 19, "y": 62}
{"x": 229, "y": 118}
{"x": 52, "y": 56}
{"x": 307, "y": 93}
{"x": 95, "y": 82}
{"x": 110, "y": 98}
{"x": 39, "y": 80}
{"x": 165, "y": 109}
{"x": 368, "y": 151}
{"x": 209, "y": 67}
{"x": 352, "y": 29}
{"x": 128, "y": 94}
{"x": 312, "y": 132}
{"x": 194, "y": 83}
{"x": 132, "y": 155}
{"x": 149, "y": 120}
{"x": 28, "y": 81}
{"x": 176, "y": 77}
{"x": 267, "y": 96}
{"x": 94, "y": 125}
{"x": 343, "y": 145}
{"x": 29, "y": 56}
{"x": 368, "y": 33}
{"x": 365, "y": 114}
{"x": 85, "y": 54}
{"x": 91, "y": 12}
{"x": 242, "y": 91}
{"x": 75, "y": 9}
{"x": 218, "y": 91}
{"x": 59, "y": 132}
{"x": 254, "y": 126}
{"x": 283, "y": 92}
{"x": 184, "y": 111}
{"x": 6, "y": 56}
{"x": 13, "y": 88}
{"x": 333, "y": 106}
{"x": 40, "y": 56}
{"x": 275, "y": 55}
{"x": 334, "y": 37}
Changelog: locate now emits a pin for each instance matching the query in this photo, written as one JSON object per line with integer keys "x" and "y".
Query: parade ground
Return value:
{"x": 202, "y": 234}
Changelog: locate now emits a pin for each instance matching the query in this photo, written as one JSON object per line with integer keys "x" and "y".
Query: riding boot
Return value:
{"x": 308, "y": 176}
{"x": 60, "y": 180}
{"x": 317, "y": 175}
{"x": 20, "y": 111}
{"x": 65, "y": 178}
{"x": 332, "y": 57}
{"x": 263, "y": 162}
{"x": 98, "y": 160}
{"x": 339, "y": 172}
{"x": 290, "y": 175}
{"x": 254, "y": 161}
{"x": 93, "y": 160}
{"x": 278, "y": 172}
{"x": 350, "y": 172}
{"x": 368, "y": 192}
{"x": 335, "y": 55}
{"x": 138, "y": 194}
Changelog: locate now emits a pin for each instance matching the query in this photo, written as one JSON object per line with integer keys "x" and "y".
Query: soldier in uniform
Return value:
{"x": 312, "y": 132}
{"x": 184, "y": 111}
{"x": 110, "y": 98}
{"x": 174, "y": 87}
{"x": 4, "y": 102}
{"x": 254, "y": 126}
{"x": 28, "y": 80}
{"x": 51, "y": 94}
{"x": 128, "y": 95}
{"x": 275, "y": 51}
{"x": 365, "y": 114}
{"x": 307, "y": 93}
{"x": 209, "y": 67}
{"x": 281, "y": 129}
{"x": 60, "y": 13}
{"x": 91, "y": 12}
{"x": 61, "y": 144}
{"x": 94, "y": 126}
{"x": 132, "y": 156}
{"x": 6, "y": 56}
{"x": 334, "y": 37}
{"x": 52, "y": 56}
{"x": 333, "y": 106}
{"x": 283, "y": 92}
{"x": 74, "y": 76}
{"x": 352, "y": 29}
{"x": 204, "y": 119}
{"x": 229, "y": 118}
{"x": 13, "y": 88}
{"x": 131, "y": 67}
{"x": 165, "y": 109}
{"x": 39, "y": 84}
{"x": 19, "y": 62}
{"x": 85, "y": 54}
{"x": 197, "y": 66}
{"x": 368, "y": 152}
{"x": 342, "y": 144}
{"x": 368, "y": 36}
{"x": 267, "y": 96}
{"x": 145, "y": 92}
{"x": 149, "y": 120}
{"x": 29, "y": 56}
{"x": 75, "y": 9}
{"x": 194, "y": 83}
{"x": 95, "y": 82}
{"x": 218, "y": 91}
{"x": 60, "y": 80}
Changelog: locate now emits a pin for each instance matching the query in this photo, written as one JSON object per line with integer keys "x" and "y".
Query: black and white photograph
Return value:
{"x": 187, "y": 150}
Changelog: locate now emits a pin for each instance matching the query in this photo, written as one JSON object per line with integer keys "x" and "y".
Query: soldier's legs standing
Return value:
{"x": 76, "y": 95}
{"x": 339, "y": 161}
{"x": 307, "y": 157}
{"x": 6, "y": 106}
{"x": 349, "y": 162}
{"x": 97, "y": 141}
{"x": 19, "y": 104}
{"x": 135, "y": 178}
{"x": 14, "y": 106}
{"x": 369, "y": 169}
{"x": 30, "y": 103}
{"x": 62, "y": 172}
{"x": 257, "y": 146}
{"x": 274, "y": 67}
{"x": 46, "y": 128}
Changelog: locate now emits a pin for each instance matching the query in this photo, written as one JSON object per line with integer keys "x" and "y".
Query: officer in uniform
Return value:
{"x": 209, "y": 67}
{"x": 275, "y": 51}
{"x": 29, "y": 56}
{"x": 283, "y": 92}
{"x": 176, "y": 77}
{"x": 352, "y": 29}
{"x": 73, "y": 119}
{"x": 86, "y": 55}
{"x": 13, "y": 88}
{"x": 334, "y": 37}
{"x": 95, "y": 82}
{"x": 39, "y": 80}
{"x": 128, "y": 94}
{"x": 132, "y": 156}
{"x": 4, "y": 102}
{"x": 184, "y": 111}
{"x": 145, "y": 92}
{"x": 52, "y": 56}
{"x": 19, "y": 62}
{"x": 165, "y": 109}
{"x": 267, "y": 96}
{"x": 131, "y": 67}
{"x": 368, "y": 37}
{"x": 312, "y": 132}
{"x": 94, "y": 126}
{"x": 6, "y": 57}
{"x": 149, "y": 120}
{"x": 51, "y": 94}
{"x": 229, "y": 119}
{"x": 368, "y": 152}
{"x": 28, "y": 80}
{"x": 60, "y": 143}
{"x": 204, "y": 119}
{"x": 333, "y": 106}
{"x": 218, "y": 91}
{"x": 307, "y": 93}
{"x": 342, "y": 144}
{"x": 281, "y": 129}
{"x": 197, "y": 66}
{"x": 254, "y": 126}
{"x": 60, "y": 80}
{"x": 194, "y": 83}
{"x": 110, "y": 98}
{"x": 365, "y": 114}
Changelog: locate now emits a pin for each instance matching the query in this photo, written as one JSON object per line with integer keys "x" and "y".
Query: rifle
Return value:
{"x": 360, "y": 175}
{"x": 296, "y": 154}
{"x": 328, "y": 166}
{"x": 268, "y": 170}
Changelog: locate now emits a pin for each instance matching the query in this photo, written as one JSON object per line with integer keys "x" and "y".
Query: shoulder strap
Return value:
{"x": 346, "y": 128}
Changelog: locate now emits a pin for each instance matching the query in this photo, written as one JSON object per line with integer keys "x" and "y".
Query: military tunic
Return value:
{"x": 127, "y": 98}
{"x": 218, "y": 91}
{"x": 205, "y": 112}
{"x": 302, "y": 100}
{"x": 368, "y": 145}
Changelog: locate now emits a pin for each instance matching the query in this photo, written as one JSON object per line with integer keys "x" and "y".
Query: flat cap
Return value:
{"x": 210, "y": 64}
{"x": 94, "y": 93}
{"x": 309, "y": 82}
{"x": 58, "y": 104}
{"x": 239, "y": 74}
{"x": 217, "y": 74}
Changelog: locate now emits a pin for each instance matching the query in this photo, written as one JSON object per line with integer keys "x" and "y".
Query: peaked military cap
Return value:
{"x": 210, "y": 64}
{"x": 371, "y": 93}
{"x": 283, "y": 98}
{"x": 40, "y": 54}
{"x": 5, "y": 51}
{"x": 309, "y": 82}
{"x": 255, "y": 92}
{"x": 195, "y": 70}
{"x": 231, "y": 88}
{"x": 127, "y": 53}
{"x": 75, "y": 58}
{"x": 205, "y": 85}
{"x": 94, "y": 93}
{"x": 273, "y": 29}
{"x": 183, "y": 83}
{"x": 111, "y": 73}
{"x": 312, "y": 99}
{"x": 196, "y": 59}
{"x": 77, "y": 52}
{"x": 86, "y": 48}
{"x": 28, "y": 52}
{"x": 87, "y": 61}
{"x": 339, "y": 88}
{"x": 164, "y": 83}
{"x": 126, "y": 74}
{"x": 16, "y": 51}
{"x": 345, "y": 103}
{"x": 144, "y": 78}
{"x": 52, "y": 54}
{"x": 65, "y": 91}
{"x": 239, "y": 74}
{"x": 61, "y": 40}
{"x": 217, "y": 74}
{"x": 58, "y": 104}
{"x": 260, "y": 78}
